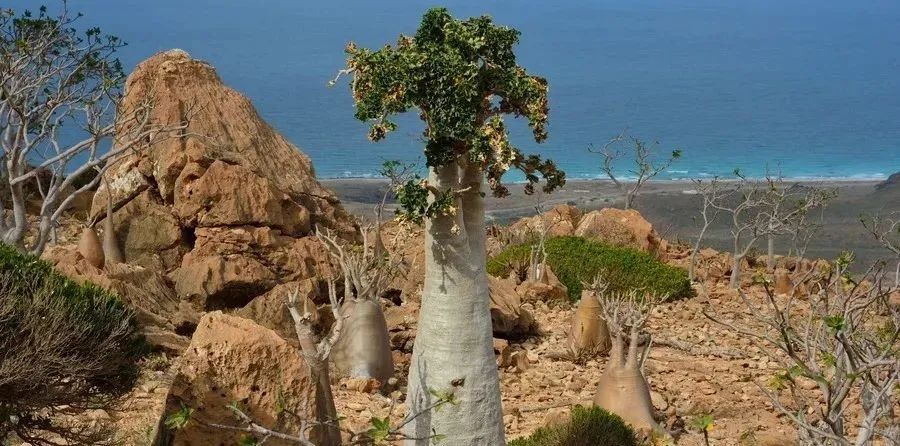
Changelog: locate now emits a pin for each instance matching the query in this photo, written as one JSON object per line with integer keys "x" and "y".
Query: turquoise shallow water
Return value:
{"x": 811, "y": 87}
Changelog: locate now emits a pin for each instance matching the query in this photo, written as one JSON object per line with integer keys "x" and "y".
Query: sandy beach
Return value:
{"x": 674, "y": 210}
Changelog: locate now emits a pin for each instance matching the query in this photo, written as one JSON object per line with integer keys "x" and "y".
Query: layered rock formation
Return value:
{"x": 224, "y": 209}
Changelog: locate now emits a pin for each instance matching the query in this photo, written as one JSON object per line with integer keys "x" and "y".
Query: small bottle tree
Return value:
{"x": 461, "y": 77}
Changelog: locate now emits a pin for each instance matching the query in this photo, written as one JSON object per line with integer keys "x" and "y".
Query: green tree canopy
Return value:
{"x": 462, "y": 77}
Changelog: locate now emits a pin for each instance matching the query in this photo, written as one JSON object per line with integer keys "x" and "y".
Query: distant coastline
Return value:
{"x": 672, "y": 209}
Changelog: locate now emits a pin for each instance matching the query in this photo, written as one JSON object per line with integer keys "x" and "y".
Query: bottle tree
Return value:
{"x": 461, "y": 76}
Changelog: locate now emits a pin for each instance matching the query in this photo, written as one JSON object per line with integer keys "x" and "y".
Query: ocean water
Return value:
{"x": 808, "y": 87}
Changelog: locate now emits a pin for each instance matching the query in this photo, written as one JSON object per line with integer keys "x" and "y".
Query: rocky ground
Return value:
{"x": 713, "y": 372}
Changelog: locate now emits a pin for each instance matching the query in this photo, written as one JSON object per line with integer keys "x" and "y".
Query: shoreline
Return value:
{"x": 804, "y": 179}
{"x": 672, "y": 210}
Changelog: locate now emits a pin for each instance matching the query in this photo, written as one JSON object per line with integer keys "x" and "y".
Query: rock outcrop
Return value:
{"x": 164, "y": 320}
{"x": 270, "y": 310}
{"x": 621, "y": 228}
{"x": 226, "y": 208}
{"x": 891, "y": 182}
{"x": 231, "y": 359}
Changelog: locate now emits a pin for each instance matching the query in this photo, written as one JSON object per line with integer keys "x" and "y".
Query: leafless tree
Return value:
{"x": 645, "y": 168}
{"x": 844, "y": 340}
{"x": 886, "y": 230}
{"x": 711, "y": 192}
{"x": 61, "y": 116}
{"x": 766, "y": 208}
{"x": 789, "y": 211}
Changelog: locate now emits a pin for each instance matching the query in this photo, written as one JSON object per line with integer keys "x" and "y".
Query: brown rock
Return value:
{"x": 270, "y": 310}
{"x": 501, "y": 349}
{"x": 411, "y": 249}
{"x": 520, "y": 361}
{"x": 783, "y": 284}
{"x": 619, "y": 227}
{"x": 559, "y": 221}
{"x": 149, "y": 233}
{"x": 229, "y": 266}
{"x": 557, "y": 416}
{"x": 212, "y": 283}
{"x": 231, "y": 359}
{"x": 232, "y": 131}
{"x": 232, "y": 195}
{"x": 400, "y": 317}
{"x": 548, "y": 289}
{"x": 163, "y": 319}
{"x": 362, "y": 385}
{"x": 509, "y": 319}
{"x": 229, "y": 208}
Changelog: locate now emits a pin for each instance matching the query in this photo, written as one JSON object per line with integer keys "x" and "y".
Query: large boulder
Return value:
{"x": 271, "y": 311}
{"x": 508, "y": 317}
{"x": 620, "y": 227}
{"x": 233, "y": 360}
{"x": 226, "y": 207}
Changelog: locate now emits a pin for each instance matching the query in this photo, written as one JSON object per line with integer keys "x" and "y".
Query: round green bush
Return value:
{"x": 591, "y": 426}
{"x": 64, "y": 347}
{"x": 576, "y": 260}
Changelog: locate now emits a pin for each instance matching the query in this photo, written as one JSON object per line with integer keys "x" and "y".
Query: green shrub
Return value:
{"x": 576, "y": 260}
{"x": 64, "y": 348}
{"x": 588, "y": 427}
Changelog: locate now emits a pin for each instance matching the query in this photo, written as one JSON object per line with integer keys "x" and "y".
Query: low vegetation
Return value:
{"x": 588, "y": 426}
{"x": 64, "y": 348}
{"x": 576, "y": 260}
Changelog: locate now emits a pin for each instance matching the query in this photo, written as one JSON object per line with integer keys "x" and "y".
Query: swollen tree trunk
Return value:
{"x": 454, "y": 345}
{"x": 363, "y": 350}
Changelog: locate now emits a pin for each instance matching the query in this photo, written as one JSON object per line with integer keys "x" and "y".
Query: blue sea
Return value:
{"x": 809, "y": 87}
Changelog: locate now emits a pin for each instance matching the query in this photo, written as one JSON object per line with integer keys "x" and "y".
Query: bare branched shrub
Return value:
{"x": 843, "y": 340}
{"x": 886, "y": 231}
{"x": 367, "y": 271}
{"x": 645, "y": 167}
{"x": 711, "y": 192}
{"x": 64, "y": 348}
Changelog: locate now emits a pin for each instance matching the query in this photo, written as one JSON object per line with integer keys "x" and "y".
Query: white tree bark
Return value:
{"x": 454, "y": 345}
